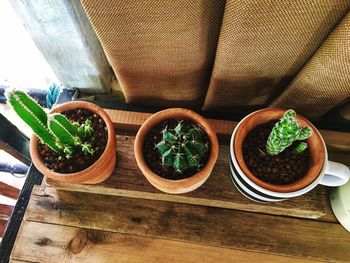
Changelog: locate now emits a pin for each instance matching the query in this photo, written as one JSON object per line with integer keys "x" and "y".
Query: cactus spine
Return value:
{"x": 54, "y": 130}
{"x": 182, "y": 147}
{"x": 285, "y": 132}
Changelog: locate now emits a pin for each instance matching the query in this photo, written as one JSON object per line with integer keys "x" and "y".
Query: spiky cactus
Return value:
{"x": 182, "y": 147}
{"x": 285, "y": 132}
{"x": 54, "y": 130}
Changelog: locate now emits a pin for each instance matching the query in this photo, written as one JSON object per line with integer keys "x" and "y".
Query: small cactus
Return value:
{"x": 285, "y": 132}
{"x": 182, "y": 147}
{"x": 54, "y": 130}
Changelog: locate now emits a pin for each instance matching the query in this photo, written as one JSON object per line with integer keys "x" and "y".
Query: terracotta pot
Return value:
{"x": 183, "y": 185}
{"x": 320, "y": 169}
{"x": 98, "y": 171}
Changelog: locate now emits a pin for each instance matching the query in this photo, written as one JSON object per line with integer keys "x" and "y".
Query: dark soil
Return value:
{"x": 284, "y": 168}
{"x": 79, "y": 161}
{"x": 153, "y": 158}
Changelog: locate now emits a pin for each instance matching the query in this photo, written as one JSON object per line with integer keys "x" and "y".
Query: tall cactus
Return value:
{"x": 54, "y": 130}
{"x": 182, "y": 147}
{"x": 33, "y": 115}
{"x": 285, "y": 132}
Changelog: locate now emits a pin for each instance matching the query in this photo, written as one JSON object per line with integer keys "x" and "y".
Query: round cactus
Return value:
{"x": 182, "y": 147}
{"x": 285, "y": 132}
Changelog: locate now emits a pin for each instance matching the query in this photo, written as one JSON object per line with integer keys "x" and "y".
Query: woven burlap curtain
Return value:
{"x": 263, "y": 45}
{"x": 325, "y": 80}
{"x": 161, "y": 51}
{"x": 227, "y": 55}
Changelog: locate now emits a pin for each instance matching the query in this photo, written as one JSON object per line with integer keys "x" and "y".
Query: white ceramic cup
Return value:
{"x": 331, "y": 174}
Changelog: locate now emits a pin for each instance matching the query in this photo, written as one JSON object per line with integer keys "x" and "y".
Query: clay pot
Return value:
{"x": 183, "y": 185}
{"x": 258, "y": 190}
{"x": 98, "y": 171}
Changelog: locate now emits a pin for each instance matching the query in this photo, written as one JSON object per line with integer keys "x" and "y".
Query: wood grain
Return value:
{"x": 3, "y": 224}
{"x": 52, "y": 243}
{"x": 5, "y": 211}
{"x": 218, "y": 191}
{"x": 9, "y": 190}
{"x": 190, "y": 223}
{"x": 33, "y": 177}
{"x": 133, "y": 120}
{"x": 20, "y": 261}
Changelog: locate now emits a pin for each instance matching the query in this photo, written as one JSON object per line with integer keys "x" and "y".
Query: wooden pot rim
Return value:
{"x": 315, "y": 145}
{"x": 176, "y": 113}
{"x": 73, "y": 177}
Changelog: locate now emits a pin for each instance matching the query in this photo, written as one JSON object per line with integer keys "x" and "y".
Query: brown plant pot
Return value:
{"x": 315, "y": 145}
{"x": 183, "y": 185}
{"x": 98, "y": 171}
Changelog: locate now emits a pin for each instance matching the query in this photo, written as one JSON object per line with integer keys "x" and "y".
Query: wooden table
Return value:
{"x": 125, "y": 219}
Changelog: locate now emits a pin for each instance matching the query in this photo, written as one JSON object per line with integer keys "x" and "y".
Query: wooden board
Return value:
{"x": 218, "y": 191}
{"x": 9, "y": 190}
{"x": 125, "y": 219}
{"x": 133, "y": 120}
{"x": 190, "y": 223}
{"x": 52, "y": 243}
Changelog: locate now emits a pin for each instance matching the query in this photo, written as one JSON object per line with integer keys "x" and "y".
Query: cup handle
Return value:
{"x": 336, "y": 174}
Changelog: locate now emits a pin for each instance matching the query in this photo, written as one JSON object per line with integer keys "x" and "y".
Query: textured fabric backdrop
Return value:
{"x": 262, "y": 46}
{"x": 325, "y": 80}
{"x": 161, "y": 51}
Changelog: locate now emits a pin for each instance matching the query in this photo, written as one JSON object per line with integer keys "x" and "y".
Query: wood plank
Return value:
{"x": 20, "y": 261}
{"x": 8, "y": 190}
{"x": 129, "y": 120}
{"x": 191, "y": 223}
{"x": 218, "y": 191}
{"x": 133, "y": 120}
{"x": 5, "y": 211}
{"x": 13, "y": 141}
{"x": 3, "y": 225}
{"x": 33, "y": 177}
{"x": 51, "y": 243}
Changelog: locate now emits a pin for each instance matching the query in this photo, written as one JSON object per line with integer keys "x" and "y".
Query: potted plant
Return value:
{"x": 176, "y": 150}
{"x": 74, "y": 143}
{"x": 277, "y": 154}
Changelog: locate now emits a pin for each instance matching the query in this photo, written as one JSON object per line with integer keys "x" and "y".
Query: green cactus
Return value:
{"x": 182, "y": 147}
{"x": 54, "y": 130}
{"x": 285, "y": 132}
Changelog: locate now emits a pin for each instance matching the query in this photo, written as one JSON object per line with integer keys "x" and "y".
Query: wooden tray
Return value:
{"x": 125, "y": 219}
